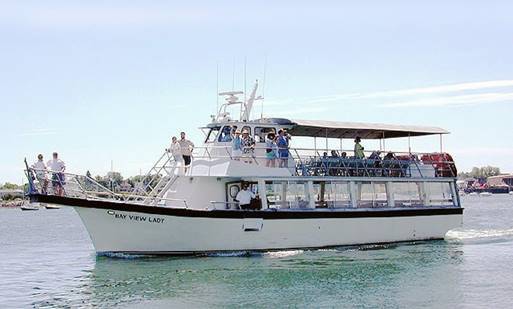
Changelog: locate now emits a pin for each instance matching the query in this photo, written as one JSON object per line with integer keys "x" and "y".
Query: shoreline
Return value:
{"x": 11, "y": 204}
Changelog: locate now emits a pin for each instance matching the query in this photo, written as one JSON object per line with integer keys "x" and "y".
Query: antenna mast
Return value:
{"x": 263, "y": 88}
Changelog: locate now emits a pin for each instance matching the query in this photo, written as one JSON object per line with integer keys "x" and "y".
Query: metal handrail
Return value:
{"x": 442, "y": 168}
{"x": 80, "y": 191}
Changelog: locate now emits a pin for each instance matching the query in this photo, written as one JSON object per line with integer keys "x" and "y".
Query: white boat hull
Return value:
{"x": 136, "y": 232}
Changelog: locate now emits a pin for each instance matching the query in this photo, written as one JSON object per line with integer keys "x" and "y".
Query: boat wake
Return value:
{"x": 480, "y": 236}
{"x": 118, "y": 255}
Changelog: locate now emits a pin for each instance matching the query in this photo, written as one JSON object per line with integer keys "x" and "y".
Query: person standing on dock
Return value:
{"x": 57, "y": 168}
{"x": 187, "y": 147}
{"x": 40, "y": 168}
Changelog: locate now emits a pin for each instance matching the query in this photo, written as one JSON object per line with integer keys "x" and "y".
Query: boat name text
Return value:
{"x": 137, "y": 218}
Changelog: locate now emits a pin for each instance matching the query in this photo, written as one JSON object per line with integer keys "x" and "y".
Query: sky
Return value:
{"x": 112, "y": 81}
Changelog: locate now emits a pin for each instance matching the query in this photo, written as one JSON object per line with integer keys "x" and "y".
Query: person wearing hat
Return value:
{"x": 358, "y": 148}
{"x": 248, "y": 144}
{"x": 236, "y": 145}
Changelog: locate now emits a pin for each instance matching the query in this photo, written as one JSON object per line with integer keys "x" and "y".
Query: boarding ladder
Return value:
{"x": 158, "y": 180}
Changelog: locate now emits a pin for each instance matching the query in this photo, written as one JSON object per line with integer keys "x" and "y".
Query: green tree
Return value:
{"x": 10, "y": 186}
{"x": 481, "y": 172}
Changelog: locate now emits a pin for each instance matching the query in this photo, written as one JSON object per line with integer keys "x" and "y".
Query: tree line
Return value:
{"x": 481, "y": 172}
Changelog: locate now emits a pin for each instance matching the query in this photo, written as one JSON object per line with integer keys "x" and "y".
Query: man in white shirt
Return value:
{"x": 57, "y": 167}
{"x": 40, "y": 170}
{"x": 244, "y": 197}
{"x": 187, "y": 147}
{"x": 176, "y": 151}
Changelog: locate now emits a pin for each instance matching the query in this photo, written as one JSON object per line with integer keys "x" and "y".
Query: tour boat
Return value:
{"x": 314, "y": 200}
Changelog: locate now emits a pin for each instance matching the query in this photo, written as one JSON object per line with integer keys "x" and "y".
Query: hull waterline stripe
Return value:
{"x": 241, "y": 214}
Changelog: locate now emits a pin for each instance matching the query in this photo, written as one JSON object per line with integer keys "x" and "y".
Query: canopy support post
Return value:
{"x": 441, "y": 143}
{"x": 384, "y": 142}
{"x": 409, "y": 143}
{"x": 315, "y": 145}
{"x": 327, "y": 140}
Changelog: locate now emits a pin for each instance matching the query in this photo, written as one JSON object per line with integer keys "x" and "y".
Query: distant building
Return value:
{"x": 501, "y": 181}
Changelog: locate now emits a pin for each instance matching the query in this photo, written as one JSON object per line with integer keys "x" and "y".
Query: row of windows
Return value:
{"x": 293, "y": 194}
{"x": 225, "y": 135}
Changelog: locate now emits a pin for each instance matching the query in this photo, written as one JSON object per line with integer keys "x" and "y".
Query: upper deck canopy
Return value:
{"x": 336, "y": 129}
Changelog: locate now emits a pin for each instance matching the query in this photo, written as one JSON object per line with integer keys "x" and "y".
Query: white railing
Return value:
{"x": 80, "y": 186}
{"x": 315, "y": 162}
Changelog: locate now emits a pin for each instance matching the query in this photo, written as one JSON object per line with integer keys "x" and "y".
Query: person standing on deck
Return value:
{"x": 283, "y": 147}
{"x": 40, "y": 168}
{"x": 57, "y": 168}
{"x": 176, "y": 151}
{"x": 248, "y": 145}
{"x": 270, "y": 152}
{"x": 358, "y": 148}
{"x": 236, "y": 146}
{"x": 186, "y": 147}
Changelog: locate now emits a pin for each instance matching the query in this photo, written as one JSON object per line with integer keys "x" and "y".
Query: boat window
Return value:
{"x": 372, "y": 194}
{"x": 331, "y": 194}
{"x": 438, "y": 193}
{"x": 274, "y": 193}
{"x": 297, "y": 196}
{"x": 261, "y": 133}
{"x": 212, "y": 134}
{"x": 287, "y": 194}
{"x": 406, "y": 194}
{"x": 226, "y": 134}
{"x": 337, "y": 195}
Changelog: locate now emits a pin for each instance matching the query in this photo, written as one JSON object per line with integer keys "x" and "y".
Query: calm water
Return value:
{"x": 46, "y": 260}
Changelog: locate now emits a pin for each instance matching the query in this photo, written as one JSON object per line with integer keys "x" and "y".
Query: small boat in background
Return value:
{"x": 51, "y": 206}
{"x": 29, "y": 206}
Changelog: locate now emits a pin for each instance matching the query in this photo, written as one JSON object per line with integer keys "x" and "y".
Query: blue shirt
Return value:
{"x": 237, "y": 143}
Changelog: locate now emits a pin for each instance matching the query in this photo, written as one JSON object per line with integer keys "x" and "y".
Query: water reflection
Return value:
{"x": 332, "y": 277}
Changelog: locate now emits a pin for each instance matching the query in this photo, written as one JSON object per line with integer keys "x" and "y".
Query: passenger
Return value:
{"x": 176, "y": 151}
{"x": 358, "y": 148}
{"x": 248, "y": 145}
{"x": 270, "y": 152}
{"x": 334, "y": 154}
{"x": 57, "y": 168}
{"x": 375, "y": 155}
{"x": 237, "y": 146}
{"x": 343, "y": 155}
{"x": 283, "y": 147}
{"x": 389, "y": 167}
{"x": 186, "y": 147}
{"x": 389, "y": 156}
{"x": 244, "y": 197}
{"x": 40, "y": 170}
{"x": 226, "y": 135}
